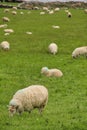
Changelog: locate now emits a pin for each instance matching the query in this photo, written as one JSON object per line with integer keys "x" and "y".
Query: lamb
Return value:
{"x": 53, "y": 48}
{"x": 79, "y": 51}
{"x": 5, "y": 45}
{"x": 27, "y": 99}
{"x": 5, "y": 19}
{"x": 51, "y": 72}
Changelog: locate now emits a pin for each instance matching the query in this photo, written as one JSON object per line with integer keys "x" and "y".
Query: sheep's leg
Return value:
{"x": 41, "y": 109}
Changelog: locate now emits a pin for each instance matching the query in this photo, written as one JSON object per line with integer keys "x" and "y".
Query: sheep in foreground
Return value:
{"x": 27, "y": 99}
{"x": 5, "y": 19}
{"x": 53, "y": 48}
{"x": 51, "y": 72}
{"x": 5, "y": 45}
{"x": 79, "y": 51}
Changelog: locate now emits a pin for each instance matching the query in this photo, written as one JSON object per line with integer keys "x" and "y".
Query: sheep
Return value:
{"x": 29, "y": 33}
{"x": 14, "y": 12}
{"x": 27, "y": 99}
{"x": 57, "y": 9}
{"x": 51, "y": 72}
{"x": 3, "y": 25}
{"x": 14, "y": 8}
{"x": 51, "y": 12}
{"x": 57, "y": 27}
{"x": 79, "y": 51}
{"x": 5, "y": 45}
{"x": 41, "y": 13}
{"x": 69, "y": 14}
{"x": 8, "y": 30}
{"x": 45, "y": 8}
{"x": 53, "y": 48}
{"x": 85, "y": 11}
{"x": 6, "y": 10}
{"x": 5, "y": 19}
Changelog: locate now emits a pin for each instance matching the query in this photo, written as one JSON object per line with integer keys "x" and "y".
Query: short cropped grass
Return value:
{"x": 21, "y": 66}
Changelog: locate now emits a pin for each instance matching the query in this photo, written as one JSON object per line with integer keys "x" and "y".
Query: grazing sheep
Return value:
{"x": 3, "y": 26}
{"x": 15, "y": 8}
{"x": 5, "y": 45}
{"x": 51, "y": 12}
{"x": 5, "y": 19}
{"x": 85, "y": 11}
{"x": 14, "y": 12}
{"x": 79, "y": 51}
{"x": 41, "y": 13}
{"x": 51, "y": 72}
{"x": 6, "y": 34}
{"x": 6, "y": 10}
{"x": 57, "y": 27}
{"x": 57, "y": 9}
{"x": 45, "y": 8}
{"x": 27, "y": 99}
{"x": 29, "y": 33}
{"x": 8, "y": 30}
{"x": 69, "y": 14}
{"x": 53, "y": 48}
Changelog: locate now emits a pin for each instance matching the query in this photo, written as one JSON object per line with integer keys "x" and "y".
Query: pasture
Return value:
{"x": 21, "y": 66}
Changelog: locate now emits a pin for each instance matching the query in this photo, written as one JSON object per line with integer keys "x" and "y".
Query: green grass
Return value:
{"x": 20, "y": 67}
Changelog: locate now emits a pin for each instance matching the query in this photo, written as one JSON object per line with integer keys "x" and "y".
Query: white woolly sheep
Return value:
{"x": 57, "y": 9}
{"x": 29, "y": 33}
{"x": 3, "y": 25}
{"x": 15, "y": 8}
{"x": 51, "y": 12}
{"x": 51, "y": 72}
{"x": 6, "y": 10}
{"x": 85, "y": 11}
{"x": 79, "y": 51}
{"x": 41, "y": 13}
{"x": 27, "y": 99}
{"x": 8, "y": 30}
{"x": 14, "y": 12}
{"x": 57, "y": 27}
{"x": 45, "y": 8}
{"x": 5, "y": 45}
{"x": 53, "y": 48}
{"x": 69, "y": 14}
{"x": 5, "y": 19}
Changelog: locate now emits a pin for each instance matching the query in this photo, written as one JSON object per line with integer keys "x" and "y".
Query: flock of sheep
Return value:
{"x": 35, "y": 96}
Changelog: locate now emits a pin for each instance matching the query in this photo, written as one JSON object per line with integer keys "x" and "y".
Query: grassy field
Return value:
{"x": 21, "y": 66}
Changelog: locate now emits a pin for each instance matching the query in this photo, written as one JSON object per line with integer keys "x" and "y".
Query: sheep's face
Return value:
{"x": 44, "y": 70}
{"x": 12, "y": 110}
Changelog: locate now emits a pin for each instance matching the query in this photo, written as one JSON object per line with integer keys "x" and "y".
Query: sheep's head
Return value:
{"x": 44, "y": 70}
{"x": 13, "y": 107}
